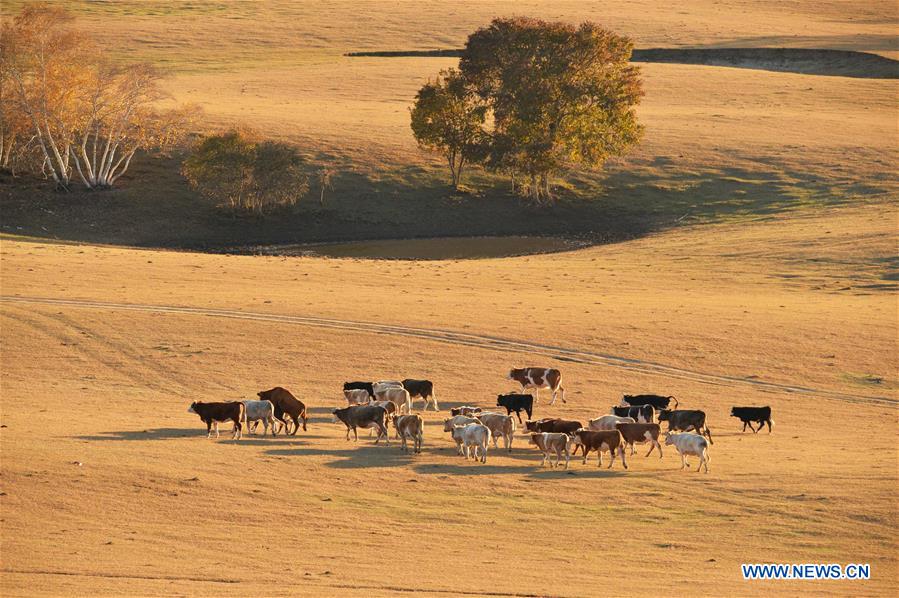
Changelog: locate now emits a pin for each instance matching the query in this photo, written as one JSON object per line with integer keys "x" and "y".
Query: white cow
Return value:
{"x": 473, "y": 435}
{"x": 690, "y": 444}
{"x": 396, "y": 395}
{"x": 264, "y": 411}
{"x": 502, "y": 426}
{"x": 458, "y": 420}
{"x": 608, "y": 422}
{"x": 356, "y": 396}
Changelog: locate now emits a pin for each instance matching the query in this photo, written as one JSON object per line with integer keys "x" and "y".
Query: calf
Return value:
{"x": 538, "y": 378}
{"x": 690, "y": 444}
{"x": 366, "y": 386}
{"x": 640, "y": 433}
{"x": 657, "y": 401}
{"x": 423, "y": 389}
{"x": 747, "y": 415}
{"x": 363, "y": 416}
{"x": 396, "y": 395}
{"x": 410, "y": 426}
{"x": 641, "y": 414}
{"x": 607, "y": 422}
{"x": 473, "y": 435}
{"x": 286, "y": 403}
{"x": 684, "y": 420}
{"x": 465, "y": 410}
{"x": 502, "y": 426}
{"x": 599, "y": 441}
{"x": 256, "y": 411}
{"x": 356, "y": 396}
{"x": 213, "y": 413}
{"x": 549, "y": 443}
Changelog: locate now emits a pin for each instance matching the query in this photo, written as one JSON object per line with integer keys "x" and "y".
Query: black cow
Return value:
{"x": 213, "y": 413}
{"x": 423, "y": 389}
{"x": 762, "y": 415}
{"x": 643, "y": 414}
{"x": 684, "y": 420}
{"x": 366, "y": 386}
{"x": 516, "y": 402}
{"x": 657, "y": 401}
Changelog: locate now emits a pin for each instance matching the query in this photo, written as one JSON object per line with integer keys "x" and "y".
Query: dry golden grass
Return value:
{"x": 110, "y": 488}
{"x": 158, "y": 509}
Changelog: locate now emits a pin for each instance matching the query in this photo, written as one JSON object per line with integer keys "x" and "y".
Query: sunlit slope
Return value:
{"x": 110, "y": 488}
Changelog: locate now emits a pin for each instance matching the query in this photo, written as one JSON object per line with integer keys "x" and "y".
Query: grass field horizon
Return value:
{"x": 744, "y": 253}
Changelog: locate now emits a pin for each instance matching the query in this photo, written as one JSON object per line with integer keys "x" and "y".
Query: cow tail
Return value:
{"x": 675, "y": 402}
{"x": 709, "y": 434}
{"x": 243, "y": 415}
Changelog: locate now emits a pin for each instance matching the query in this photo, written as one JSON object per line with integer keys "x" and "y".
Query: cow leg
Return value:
{"x": 623, "y": 460}
{"x": 759, "y": 428}
{"x": 651, "y": 447}
{"x": 384, "y": 431}
{"x": 611, "y": 457}
{"x": 633, "y": 450}
{"x": 744, "y": 426}
{"x": 296, "y": 424}
{"x": 347, "y": 432}
{"x": 209, "y": 429}
{"x": 484, "y": 452}
{"x": 768, "y": 421}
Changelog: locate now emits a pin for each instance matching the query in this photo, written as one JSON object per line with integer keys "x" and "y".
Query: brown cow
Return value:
{"x": 640, "y": 433}
{"x": 285, "y": 402}
{"x": 213, "y": 413}
{"x": 538, "y": 378}
{"x": 599, "y": 441}
{"x": 410, "y": 426}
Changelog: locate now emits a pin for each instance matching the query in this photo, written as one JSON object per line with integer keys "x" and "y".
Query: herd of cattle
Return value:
{"x": 374, "y": 405}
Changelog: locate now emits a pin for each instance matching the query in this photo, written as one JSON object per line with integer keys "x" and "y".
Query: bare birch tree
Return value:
{"x": 85, "y": 115}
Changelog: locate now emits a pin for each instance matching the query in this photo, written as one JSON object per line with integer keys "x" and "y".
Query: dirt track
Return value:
{"x": 460, "y": 338}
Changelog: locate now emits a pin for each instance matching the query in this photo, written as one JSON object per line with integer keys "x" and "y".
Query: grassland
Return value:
{"x": 755, "y": 264}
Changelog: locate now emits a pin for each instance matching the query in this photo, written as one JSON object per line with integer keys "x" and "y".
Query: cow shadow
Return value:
{"x": 172, "y": 433}
{"x": 357, "y": 457}
{"x": 153, "y": 434}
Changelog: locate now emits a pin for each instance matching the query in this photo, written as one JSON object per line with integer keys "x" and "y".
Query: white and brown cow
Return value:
{"x": 501, "y": 426}
{"x": 551, "y": 443}
{"x": 538, "y": 378}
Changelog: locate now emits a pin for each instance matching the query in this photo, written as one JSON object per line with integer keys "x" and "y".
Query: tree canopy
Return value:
{"x": 560, "y": 97}
{"x": 448, "y": 118}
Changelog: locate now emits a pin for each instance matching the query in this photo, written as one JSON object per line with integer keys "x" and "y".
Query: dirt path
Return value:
{"x": 461, "y": 338}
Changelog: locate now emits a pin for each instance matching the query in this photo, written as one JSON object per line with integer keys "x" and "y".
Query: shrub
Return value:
{"x": 245, "y": 173}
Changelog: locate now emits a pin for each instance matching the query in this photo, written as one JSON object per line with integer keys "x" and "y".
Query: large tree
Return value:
{"x": 86, "y": 115}
{"x": 561, "y": 96}
{"x": 449, "y": 118}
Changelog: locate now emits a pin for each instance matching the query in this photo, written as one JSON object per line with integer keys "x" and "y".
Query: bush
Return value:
{"x": 245, "y": 173}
